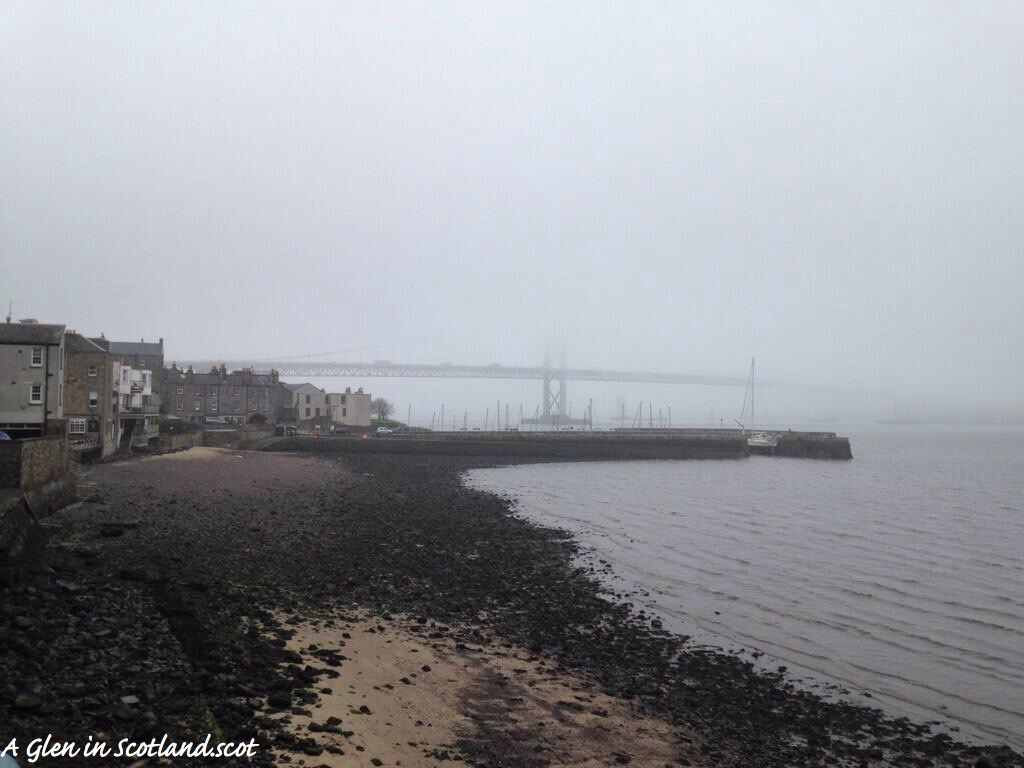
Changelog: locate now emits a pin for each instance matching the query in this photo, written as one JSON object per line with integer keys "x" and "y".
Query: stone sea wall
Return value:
{"x": 567, "y": 447}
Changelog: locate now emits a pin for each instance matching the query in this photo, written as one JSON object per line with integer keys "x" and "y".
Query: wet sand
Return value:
{"x": 405, "y": 695}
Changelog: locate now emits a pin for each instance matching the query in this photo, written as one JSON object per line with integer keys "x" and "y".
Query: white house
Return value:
{"x": 138, "y": 408}
{"x": 350, "y": 408}
{"x": 310, "y": 403}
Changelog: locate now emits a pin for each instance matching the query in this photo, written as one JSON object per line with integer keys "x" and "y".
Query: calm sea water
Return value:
{"x": 900, "y": 573}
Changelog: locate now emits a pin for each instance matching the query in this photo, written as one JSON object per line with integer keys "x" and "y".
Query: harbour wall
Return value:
{"x": 565, "y": 446}
{"x": 791, "y": 443}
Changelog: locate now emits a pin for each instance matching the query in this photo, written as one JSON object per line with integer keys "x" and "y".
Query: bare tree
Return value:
{"x": 382, "y": 407}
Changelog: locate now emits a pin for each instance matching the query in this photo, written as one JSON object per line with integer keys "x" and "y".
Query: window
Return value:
{"x": 317, "y": 411}
{"x": 307, "y": 399}
{"x": 94, "y": 399}
{"x": 92, "y": 371}
{"x": 198, "y": 405}
{"x": 180, "y": 391}
{"x": 180, "y": 404}
{"x": 37, "y": 357}
{"x": 213, "y": 407}
{"x": 342, "y": 399}
{"x": 76, "y": 426}
{"x": 235, "y": 391}
{"x": 307, "y": 411}
{"x": 35, "y": 394}
{"x": 344, "y": 412}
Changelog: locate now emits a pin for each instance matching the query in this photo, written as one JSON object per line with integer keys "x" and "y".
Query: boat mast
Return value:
{"x": 752, "y": 393}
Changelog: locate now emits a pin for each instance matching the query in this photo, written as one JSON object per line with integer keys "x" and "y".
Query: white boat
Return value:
{"x": 762, "y": 442}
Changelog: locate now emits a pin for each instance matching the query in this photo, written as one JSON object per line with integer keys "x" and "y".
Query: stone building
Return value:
{"x": 111, "y": 398}
{"x": 349, "y": 408}
{"x": 31, "y": 378}
{"x": 89, "y": 393}
{"x": 221, "y": 396}
{"x": 310, "y": 404}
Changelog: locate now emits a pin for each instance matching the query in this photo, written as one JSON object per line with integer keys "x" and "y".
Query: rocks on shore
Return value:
{"x": 168, "y": 624}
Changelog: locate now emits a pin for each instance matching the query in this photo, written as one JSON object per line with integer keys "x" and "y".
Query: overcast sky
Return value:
{"x": 836, "y": 188}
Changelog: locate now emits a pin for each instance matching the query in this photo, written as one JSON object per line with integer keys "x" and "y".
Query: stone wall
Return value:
{"x": 180, "y": 441}
{"x": 36, "y": 481}
{"x": 43, "y": 460}
{"x": 32, "y": 463}
{"x": 811, "y": 446}
{"x": 567, "y": 447}
{"x": 10, "y": 464}
{"x": 220, "y": 438}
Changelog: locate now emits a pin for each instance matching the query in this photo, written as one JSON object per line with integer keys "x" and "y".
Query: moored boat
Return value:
{"x": 762, "y": 443}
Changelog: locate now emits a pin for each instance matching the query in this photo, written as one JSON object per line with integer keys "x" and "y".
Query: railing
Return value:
{"x": 144, "y": 404}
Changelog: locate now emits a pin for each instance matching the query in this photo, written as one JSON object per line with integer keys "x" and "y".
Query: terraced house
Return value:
{"x": 31, "y": 378}
{"x": 221, "y": 396}
{"x": 111, "y": 391}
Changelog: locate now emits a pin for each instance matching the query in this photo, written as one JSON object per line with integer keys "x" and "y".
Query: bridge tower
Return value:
{"x": 555, "y": 398}
{"x": 555, "y": 411}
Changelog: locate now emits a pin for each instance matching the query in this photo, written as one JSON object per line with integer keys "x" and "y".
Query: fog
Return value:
{"x": 836, "y": 188}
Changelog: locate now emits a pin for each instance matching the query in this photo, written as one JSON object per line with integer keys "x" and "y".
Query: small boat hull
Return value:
{"x": 762, "y": 444}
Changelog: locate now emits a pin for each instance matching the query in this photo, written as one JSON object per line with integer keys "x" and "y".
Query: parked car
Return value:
{"x": 4, "y": 436}
{"x": 316, "y": 430}
{"x": 339, "y": 429}
{"x": 279, "y": 429}
{"x": 384, "y": 430}
{"x": 291, "y": 430}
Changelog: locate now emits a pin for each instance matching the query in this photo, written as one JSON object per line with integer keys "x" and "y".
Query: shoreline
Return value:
{"x": 627, "y": 576}
{"x": 192, "y": 557}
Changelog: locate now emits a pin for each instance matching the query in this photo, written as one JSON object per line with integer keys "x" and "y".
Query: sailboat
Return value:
{"x": 759, "y": 442}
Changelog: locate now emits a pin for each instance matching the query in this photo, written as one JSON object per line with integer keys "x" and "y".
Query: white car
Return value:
{"x": 384, "y": 430}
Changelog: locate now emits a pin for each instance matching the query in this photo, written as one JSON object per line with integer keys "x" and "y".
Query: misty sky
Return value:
{"x": 836, "y": 188}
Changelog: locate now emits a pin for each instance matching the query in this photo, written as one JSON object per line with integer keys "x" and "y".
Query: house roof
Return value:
{"x": 76, "y": 342}
{"x": 304, "y": 387}
{"x": 131, "y": 347}
{"x": 30, "y": 333}
{"x": 175, "y": 375}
